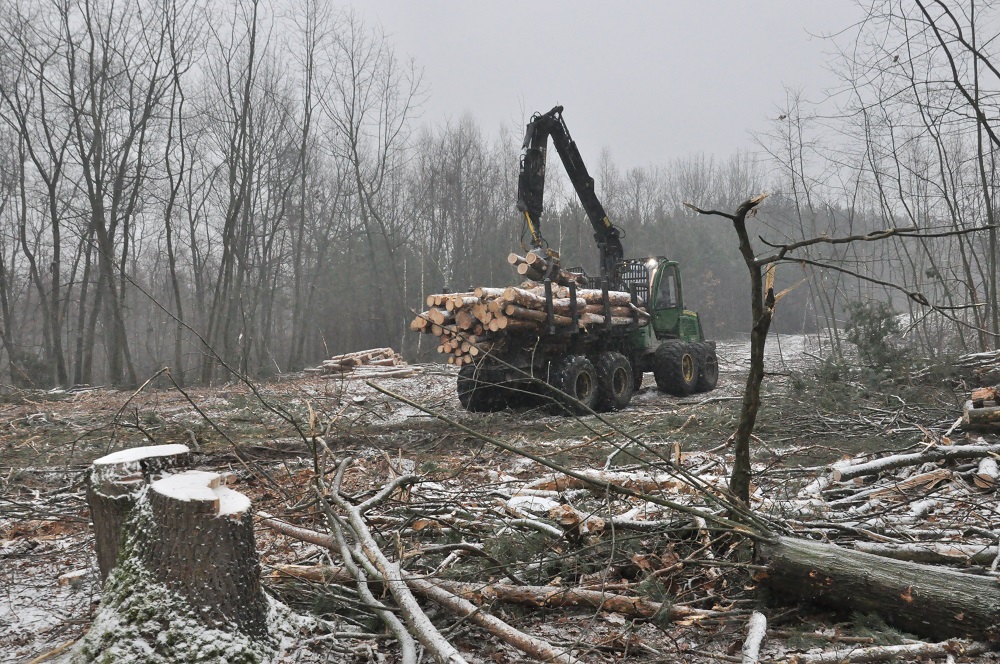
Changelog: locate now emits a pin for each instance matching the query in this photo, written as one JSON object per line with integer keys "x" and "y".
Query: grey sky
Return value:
{"x": 649, "y": 80}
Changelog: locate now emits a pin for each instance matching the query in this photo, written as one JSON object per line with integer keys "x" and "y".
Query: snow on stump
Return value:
{"x": 185, "y": 585}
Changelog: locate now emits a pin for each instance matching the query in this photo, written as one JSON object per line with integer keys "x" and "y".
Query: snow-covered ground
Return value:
{"x": 38, "y": 613}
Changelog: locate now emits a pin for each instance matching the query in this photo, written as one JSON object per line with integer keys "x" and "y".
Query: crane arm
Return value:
{"x": 531, "y": 186}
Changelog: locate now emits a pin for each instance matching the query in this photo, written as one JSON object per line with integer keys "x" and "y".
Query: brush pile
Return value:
{"x": 932, "y": 504}
{"x": 476, "y": 322}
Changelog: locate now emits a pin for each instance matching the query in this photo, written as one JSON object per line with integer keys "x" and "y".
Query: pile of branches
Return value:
{"x": 545, "y": 541}
{"x": 933, "y": 504}
{"x": 660, "y": 542}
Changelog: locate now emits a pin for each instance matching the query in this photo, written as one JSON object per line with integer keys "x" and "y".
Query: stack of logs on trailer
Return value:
{"x": 473, "y": 323}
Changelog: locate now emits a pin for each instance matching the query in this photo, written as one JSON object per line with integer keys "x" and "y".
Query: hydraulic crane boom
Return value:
{"x": 531, "y": 187}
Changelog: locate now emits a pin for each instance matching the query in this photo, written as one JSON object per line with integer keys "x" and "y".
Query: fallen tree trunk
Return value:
{"x": 929, "y": 601}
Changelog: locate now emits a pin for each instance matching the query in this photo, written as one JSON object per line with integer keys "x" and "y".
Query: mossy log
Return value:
{"x": 933, "y": 602}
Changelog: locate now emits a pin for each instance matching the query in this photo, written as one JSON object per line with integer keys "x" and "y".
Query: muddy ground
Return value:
{"x": 47, "y": 440}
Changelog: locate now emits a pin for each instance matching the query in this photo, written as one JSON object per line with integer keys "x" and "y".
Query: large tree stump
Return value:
{"x": 935, "y": 602}
{"x": 184, "y": 584}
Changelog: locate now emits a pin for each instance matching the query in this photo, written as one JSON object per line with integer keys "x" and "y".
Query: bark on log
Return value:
{"x": 987, "y": 473}
{"x": 984, "y": 417}
{"x": 486, "y": 293}
{"x": 460, "y": 300}
{"x": 440, "y": 316}
{"x": 932, "y": 552}
{"x": 535, "y": 315}
{"x": 930, "y": 601}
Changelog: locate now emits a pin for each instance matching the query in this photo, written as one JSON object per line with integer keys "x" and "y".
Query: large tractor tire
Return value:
{"x": 576, "y": 376}
{"x": 708, "y": 367}
{"x": 675, "y": 367}
{"x": 476, "y": 394}
{"x": 615, "y": 383}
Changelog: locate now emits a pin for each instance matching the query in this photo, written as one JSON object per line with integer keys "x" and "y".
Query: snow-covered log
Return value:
{"x": 932, "y": 552}
{"x": 907, "y": 652}
{"x": 756, "y": 630}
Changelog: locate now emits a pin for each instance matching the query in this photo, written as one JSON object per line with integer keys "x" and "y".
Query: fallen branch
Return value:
{"x": 934, "y": 454}
{"x": 907, "y": 652}
{"x": 391, "y": 574}
{"x": 530, "y": 645}
{"x": 756, "y": 630}
{"x": 540, "y": 596}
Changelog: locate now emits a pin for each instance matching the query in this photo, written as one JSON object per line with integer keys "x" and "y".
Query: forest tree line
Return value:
{"x": 223, "y": 186}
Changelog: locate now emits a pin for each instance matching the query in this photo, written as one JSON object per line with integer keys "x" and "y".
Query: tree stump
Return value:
{"x": 184, "y": 584}
{"x": 113, "y": 486}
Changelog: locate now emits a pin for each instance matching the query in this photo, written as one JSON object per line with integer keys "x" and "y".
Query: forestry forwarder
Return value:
{"x": 600, "y": 367}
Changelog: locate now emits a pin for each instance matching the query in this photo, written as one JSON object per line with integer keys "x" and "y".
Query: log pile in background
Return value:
{"x": 375, "y": 362}
{"x": 473, "y": 323}
{"x": 982, "y": 410}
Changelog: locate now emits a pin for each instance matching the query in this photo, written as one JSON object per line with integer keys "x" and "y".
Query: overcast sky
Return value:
{"x": 649, "y": 80}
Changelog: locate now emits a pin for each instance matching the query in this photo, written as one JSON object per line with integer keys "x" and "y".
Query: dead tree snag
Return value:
{"x": 762, "y": 306}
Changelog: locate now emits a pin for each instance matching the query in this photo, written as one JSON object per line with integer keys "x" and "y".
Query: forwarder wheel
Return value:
{"x": 675, "y": 367}
{"x": 477, "y": 395}
{"x": 576, "y": 376}
{"x": 614, "y": 381}
{"x": 708, "y": 367}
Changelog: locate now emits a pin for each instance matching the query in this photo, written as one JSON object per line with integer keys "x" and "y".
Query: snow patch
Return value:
{"x": 139, "y": 453}
{"x": 204, "y": 486}
{"x": 536, "y": 504}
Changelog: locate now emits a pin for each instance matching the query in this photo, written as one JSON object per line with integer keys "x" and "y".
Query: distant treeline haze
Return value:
{"x": 192, "y": 185}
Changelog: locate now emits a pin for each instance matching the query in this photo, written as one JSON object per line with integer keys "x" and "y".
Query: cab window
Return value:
{"x": 666, "y": 296}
